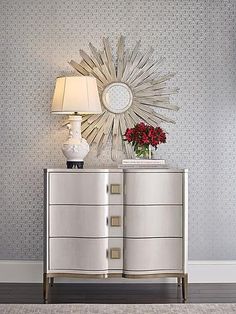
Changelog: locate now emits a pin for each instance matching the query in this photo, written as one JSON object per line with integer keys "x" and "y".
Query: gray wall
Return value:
{"x": 198, "y": 40}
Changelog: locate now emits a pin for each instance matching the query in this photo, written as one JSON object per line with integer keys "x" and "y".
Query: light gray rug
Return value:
{"x": 117, "y": 308}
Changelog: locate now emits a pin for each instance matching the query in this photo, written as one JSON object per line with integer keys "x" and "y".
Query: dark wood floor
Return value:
{"x": 118, "y": 293}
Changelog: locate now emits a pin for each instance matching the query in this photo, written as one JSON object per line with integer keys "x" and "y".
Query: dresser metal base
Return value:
{"x": 48, "y": 280}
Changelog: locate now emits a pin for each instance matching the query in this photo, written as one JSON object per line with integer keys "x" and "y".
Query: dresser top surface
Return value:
{"x": 112, "y": 170}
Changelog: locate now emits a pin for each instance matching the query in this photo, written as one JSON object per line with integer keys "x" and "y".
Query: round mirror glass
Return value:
{"x": 117, "y": 97}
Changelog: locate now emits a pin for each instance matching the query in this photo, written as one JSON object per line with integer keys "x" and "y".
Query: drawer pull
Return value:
{"x": 115, "y": 221}
{"x": 115, "y": 253}
{"x": 115, "y": 189}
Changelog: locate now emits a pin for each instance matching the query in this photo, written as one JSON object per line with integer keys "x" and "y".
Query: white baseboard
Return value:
{"x": 21, "y": 271}
{"x": 212, "y": 271}
{"x": 199, "y": 272}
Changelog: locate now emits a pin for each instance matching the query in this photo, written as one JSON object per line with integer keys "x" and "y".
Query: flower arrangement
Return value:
{"x": 142, "y": 136}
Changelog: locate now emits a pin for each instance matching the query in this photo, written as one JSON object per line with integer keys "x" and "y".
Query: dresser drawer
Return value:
{"x": 78, "y": 254}
{"x": 78, "y": 221}
{"x": 85, "y": 221}
{"x": 153, "y": 221}
{"x": 85, "y": 188}
{"x": 153, "y": 188}
{"x": 152, "y": 254}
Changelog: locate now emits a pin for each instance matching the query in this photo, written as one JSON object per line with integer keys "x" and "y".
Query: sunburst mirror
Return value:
{"x": 131, "y": 88}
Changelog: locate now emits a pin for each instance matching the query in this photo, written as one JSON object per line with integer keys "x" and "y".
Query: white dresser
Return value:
{"x": 101, "y": 223}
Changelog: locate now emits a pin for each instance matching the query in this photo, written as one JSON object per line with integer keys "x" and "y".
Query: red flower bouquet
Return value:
{"x": 142, "y": 136}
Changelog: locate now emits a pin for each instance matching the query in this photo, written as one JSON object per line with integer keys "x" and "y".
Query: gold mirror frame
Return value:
{"x": 148, "y": 87}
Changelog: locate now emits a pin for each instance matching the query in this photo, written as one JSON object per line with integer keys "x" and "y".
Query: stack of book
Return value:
{"x": 143, "y": 163}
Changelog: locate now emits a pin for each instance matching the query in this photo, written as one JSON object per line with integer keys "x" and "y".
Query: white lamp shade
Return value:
{"x": 76, "y": 94}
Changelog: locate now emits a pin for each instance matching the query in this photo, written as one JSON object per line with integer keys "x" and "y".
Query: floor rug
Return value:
{"x": 117, "y": 308}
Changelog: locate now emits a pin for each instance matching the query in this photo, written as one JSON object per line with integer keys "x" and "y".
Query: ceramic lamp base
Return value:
{"x": 75, "y": 148}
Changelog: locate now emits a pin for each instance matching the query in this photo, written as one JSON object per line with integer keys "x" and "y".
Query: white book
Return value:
{"x": 143, "y": 166}
{"x": 143, "y": 162}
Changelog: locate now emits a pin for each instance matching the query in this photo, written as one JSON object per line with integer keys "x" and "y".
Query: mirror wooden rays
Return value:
{"x": 131, "y": 89}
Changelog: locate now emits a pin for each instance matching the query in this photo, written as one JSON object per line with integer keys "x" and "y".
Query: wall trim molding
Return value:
{"x": 200, "y": 271}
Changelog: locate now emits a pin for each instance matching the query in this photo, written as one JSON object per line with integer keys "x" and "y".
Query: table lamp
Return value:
{"x": 75, "y": 96}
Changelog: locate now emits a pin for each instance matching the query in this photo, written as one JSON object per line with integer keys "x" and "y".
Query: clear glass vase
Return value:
{"x": 143, "y": 152}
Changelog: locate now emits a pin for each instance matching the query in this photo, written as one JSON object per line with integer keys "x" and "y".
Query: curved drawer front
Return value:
{"x": 85, "y": 188}
{"x": 153, "y": 221}
{"x": 152, "y": 254}
{"x": 78, "y": 254}
{"x": 78, "y": 221}
{"x": 153, "y": 188}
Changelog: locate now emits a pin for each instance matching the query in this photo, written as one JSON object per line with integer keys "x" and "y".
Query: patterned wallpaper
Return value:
{"x": 197, "y": 38}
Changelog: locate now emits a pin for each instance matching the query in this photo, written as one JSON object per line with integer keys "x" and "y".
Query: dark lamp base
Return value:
{"x": 75, "y": 164}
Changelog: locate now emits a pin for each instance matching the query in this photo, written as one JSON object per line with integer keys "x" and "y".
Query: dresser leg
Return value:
{"x": 45, "y": 287}
{"x": 185, "y": 286}
{"x": 178, "y": 281}
{"x": 51, "y": 281}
